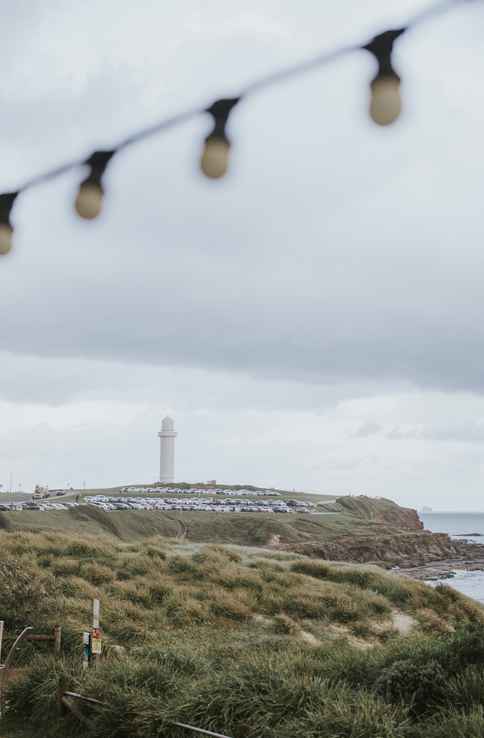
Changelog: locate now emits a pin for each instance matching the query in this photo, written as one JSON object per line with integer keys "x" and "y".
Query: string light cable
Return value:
{"x": 385, "y": 106}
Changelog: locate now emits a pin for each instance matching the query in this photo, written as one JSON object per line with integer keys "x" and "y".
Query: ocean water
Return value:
{"x": 464, "y": 525}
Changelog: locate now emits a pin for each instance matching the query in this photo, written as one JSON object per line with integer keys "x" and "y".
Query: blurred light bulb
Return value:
{"x": 6, "y": 233}
{"x": 386, "y": 101}
{"x": 89, "y": 200}
{"x": 215, "y": 157}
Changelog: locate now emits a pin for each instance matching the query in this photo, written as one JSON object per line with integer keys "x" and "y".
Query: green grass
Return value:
{"x": 236, "y": 640}
{"x": 362, "y": 529}
{"x": 356, "y": 516}
{"x": 46, "y": 578}
{"x": 268, "y": 690}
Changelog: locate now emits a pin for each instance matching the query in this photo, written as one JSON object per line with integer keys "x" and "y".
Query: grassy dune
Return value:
{"x": 242, "y": 528}
{"x": 348, "y": 516}
{"x": 151, "y": 586}
{"x": 253, "y": 643}
{"x": 358, "y": 529}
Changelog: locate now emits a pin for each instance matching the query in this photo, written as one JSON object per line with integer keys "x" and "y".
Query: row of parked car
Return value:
{"x": 203, "y": 491}
{"x": 198, "y": 504}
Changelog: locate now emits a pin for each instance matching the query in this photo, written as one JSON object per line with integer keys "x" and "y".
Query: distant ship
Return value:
{"x": 426, "y": 510}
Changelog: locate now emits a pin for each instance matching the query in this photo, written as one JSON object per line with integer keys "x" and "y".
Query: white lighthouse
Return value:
{"x": 167, "y": 437}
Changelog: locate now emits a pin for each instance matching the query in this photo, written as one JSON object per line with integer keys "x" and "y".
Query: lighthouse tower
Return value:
{"x": 167, "y": 437}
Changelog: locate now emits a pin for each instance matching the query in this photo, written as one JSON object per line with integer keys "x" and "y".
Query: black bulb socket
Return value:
{"x": 220, "y": 111}
{"x": 381, "y": 47}
{"x": 7, "y": 200}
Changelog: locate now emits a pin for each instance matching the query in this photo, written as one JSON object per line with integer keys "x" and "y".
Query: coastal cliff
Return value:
{"x": 381, "y": 510}
{"x": 393, "y": 536}
{"x": 392, "y": 548}
{"x": 350, "y": 529}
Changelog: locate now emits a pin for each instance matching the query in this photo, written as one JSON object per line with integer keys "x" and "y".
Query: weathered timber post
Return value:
{"x": 57, "y": 640}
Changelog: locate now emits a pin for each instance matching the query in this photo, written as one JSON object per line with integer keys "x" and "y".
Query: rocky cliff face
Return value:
{"x": 394, "y": 536}
{"x": 391, "y": 549}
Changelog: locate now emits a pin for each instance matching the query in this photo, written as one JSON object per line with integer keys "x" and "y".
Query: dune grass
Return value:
{"x": 410, "y": 688}
{"x": 148, "y": 586}
{"x": 239, "y": 642}
{"x": 207, "y": 527}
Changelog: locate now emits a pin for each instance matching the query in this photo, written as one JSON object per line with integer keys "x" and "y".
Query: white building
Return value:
{"x": 167, "y": 437}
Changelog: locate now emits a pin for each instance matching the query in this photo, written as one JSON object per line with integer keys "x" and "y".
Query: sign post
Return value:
{"x": 86, "y": 649}
{"x": 96, "y": 640}
{"x": 96, "y": 611}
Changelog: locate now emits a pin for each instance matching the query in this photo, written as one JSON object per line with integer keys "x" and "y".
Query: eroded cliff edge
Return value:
{"x": 386, "y": 534}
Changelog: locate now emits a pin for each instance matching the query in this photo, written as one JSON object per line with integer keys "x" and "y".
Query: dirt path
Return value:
{"x": 402, "y": 622}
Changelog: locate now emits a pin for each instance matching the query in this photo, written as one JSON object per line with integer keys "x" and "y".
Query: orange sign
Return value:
{"x": 96, "y": 642}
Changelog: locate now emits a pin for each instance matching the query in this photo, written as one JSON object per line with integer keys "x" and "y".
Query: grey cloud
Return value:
{"x": 472, "y": 432}
{"x": 337, "y": 261}
{"x": 249, "y": 277}
{"x": 56, "y": 381}
{"x": 367, "y": 429}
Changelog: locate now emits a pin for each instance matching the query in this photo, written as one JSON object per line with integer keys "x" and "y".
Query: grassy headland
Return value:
{"x": 249, "y": 642}
{"x": 348, "y": 529}
{"x": 238, "y": 623}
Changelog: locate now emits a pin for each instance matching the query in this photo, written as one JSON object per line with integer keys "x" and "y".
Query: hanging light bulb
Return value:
{"x": 6, "y": 233}
{"x": 89, "y": 199}
{"x": 385, "y": 102}
{"x": 216, "y": 151}
{"x": 215, "y": 157}
{"x": 6, "y": 229}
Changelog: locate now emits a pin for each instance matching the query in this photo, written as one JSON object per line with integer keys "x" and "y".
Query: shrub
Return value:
{"x": 24, "y": 593}
{"x": 285, "y": 625}
{"x": 227, "y": 606}
{"x": 133, "y": 592}
{"x": 85, "y": 549}
{"x": 216, "y": 554}
{"x": 97, "y": 573}
{"x": 260, "y": 699}
{"x": 240, "y": 579}
{"x": 453, "y": 724}
{"x": 311, "y": 569}
{"x": 159, "y": 592}
{"x": 447, "y": 593}
{"x": 183, "y": 567}
{"x": 154, "y": 552}
{"x": 65, "y": 567}
{"x": 420, "y": 685}
{"x": 466, "y": 690}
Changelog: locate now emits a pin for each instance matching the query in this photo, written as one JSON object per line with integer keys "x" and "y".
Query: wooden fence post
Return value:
{"x": 57, "y": 640}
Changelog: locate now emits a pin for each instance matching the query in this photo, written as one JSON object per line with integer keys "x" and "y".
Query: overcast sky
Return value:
{"x": 314, "y": 321}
